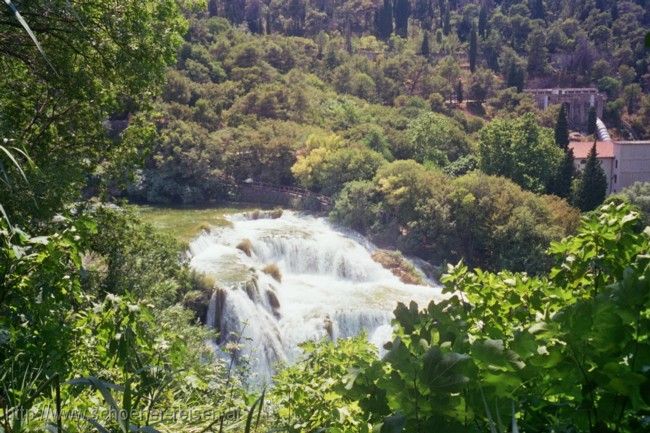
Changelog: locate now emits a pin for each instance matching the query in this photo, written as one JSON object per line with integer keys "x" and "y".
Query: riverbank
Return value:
{"x": 185, "y": 223}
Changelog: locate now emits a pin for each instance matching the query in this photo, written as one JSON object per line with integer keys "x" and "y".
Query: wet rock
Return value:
{"x": 273, "y": 270}
{"x": 246, "y": 246}
{"x": 399, "y": 266}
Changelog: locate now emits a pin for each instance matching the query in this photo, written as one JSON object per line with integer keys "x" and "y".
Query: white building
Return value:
{"x": 631, "y": 163}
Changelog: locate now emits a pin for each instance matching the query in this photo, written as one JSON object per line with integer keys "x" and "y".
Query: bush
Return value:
{"x": 639, "y": 195}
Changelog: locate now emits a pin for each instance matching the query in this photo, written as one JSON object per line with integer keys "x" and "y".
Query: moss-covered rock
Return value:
{"x": 395, "y": 262}
{"x": 273, "y": 270}
{"x": 246, "y": 246}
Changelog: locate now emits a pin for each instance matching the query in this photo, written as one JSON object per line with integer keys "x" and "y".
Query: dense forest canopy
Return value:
{"x": 411, "y": 116}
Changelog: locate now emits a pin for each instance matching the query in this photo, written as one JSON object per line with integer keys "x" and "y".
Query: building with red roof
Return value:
{"x": 624, "y": 162}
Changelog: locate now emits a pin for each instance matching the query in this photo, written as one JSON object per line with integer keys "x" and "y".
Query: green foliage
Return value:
{"x": 329, "y": 164}
{"x": 401, "y": 12}
{"x": 384, "y": 20}
{"x": 497, "y": 225}
{"x": 63, "y": 133}
{"x": 510, "y": 352}
{"x": 520, "y": 150}
{"x": 131, "y": 257}
{"x": 639, "y": 195}
{"x": 591, "y": 121}
{"x": 592, "y": 185}
{"x": 562, "y": 128}
{"x": 473, "y": 49}
{"x": 312, "y": 394}
{"x": 357, "y": 206}
{"x": 40, "y": 284}
{"x": 563, "y": 179}
{"x": 425, "y": 50}
{"x": 436, "y": 138}
{"x": 488, "y": 221}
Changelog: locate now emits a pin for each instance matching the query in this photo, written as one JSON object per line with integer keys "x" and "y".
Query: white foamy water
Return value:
{"x": 330, "y": 287}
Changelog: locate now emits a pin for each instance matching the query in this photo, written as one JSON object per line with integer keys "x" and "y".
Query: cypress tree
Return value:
{"x": 384, "y": 20}
{"x": 592, "y": 188}
{"x": 537, "y": 10}
{"x": 591, "y": 121}
{"x": 253, "y": 16}
{"x": 515, "y": 76}
{"x": 402, "y": 12}
{"x": 482, "y": 21}
{"x": 423, "y": 11}
{"x": 446, "y": 20}
{"x": 235, "y": 10}
{"x": 424, "y": 49}
{"x": 562, "y": 129}
{"x": 213, "y": 8}
{"x": 473, "y": 49}
{"x": 561, "y": 182}
{"x": 459, "y": 91}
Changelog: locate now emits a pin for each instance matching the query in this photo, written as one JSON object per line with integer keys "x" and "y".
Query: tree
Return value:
{"x": 436, "y": 138}
{"x": 537, "y": 52}
{"x": 297, "y": 12}
{"x": 448, "y": 69}
{"x": 424, "y": 48}
{"x": 482, "y": 84}
{"x": 235, "y": 10}
{"x": 483, "y": 20}
{"x": 562, "y": 181}
{"x": 357, "y": 206}
{"x": 473, "y": 49}
{"x": 423, "y": 11}
{"x": 384, "y": 20}
{"x": 253, "y": 16}
{"x": 591, "y": 121}
{"x": 592, "y": 187}
{"x": 102, "y": 63}
{"x": 459, "y": 92}
{"x": 520, "y": 150}
{"x": 213, "y": 8}
{"x": 537, "y": 10}
{"x": 639, "y": 195}
{"x": 562, "y": 129}
{"x": 515, "y": 76}
{"x": 402, "y": 12}
{"x": 446, "y": 18}
{"x": 328, "y": 166}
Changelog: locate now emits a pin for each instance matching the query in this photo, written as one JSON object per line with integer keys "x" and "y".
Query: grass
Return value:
{"x": 185, "y": 223}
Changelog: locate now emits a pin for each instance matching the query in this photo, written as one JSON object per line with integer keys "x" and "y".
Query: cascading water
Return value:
{"x": 329, "y": 286}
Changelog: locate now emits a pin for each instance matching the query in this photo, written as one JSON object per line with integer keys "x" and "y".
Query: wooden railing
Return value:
{"x": 283, "y": 193}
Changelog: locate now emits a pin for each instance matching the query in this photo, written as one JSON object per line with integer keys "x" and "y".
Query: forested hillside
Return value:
{"x": 319, "y": 95}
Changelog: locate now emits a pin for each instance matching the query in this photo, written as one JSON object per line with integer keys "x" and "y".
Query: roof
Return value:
{"x": 563, "y": 90}
{"x": 581, "y": 149}
{"x": 633, "y": 142}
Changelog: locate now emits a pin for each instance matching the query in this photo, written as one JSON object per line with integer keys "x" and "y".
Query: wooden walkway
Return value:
{"x": 283, "y": 195}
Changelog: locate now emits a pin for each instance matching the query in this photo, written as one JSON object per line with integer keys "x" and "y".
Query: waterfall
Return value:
{"x": 210, "y": 319}
{"x": 328, "y": 286}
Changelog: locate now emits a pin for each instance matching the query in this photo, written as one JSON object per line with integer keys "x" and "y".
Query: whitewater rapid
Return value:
{"x": 330, "y": 287}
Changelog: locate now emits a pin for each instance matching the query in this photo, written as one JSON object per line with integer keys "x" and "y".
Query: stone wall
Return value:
{"x": 578, "y": 102}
